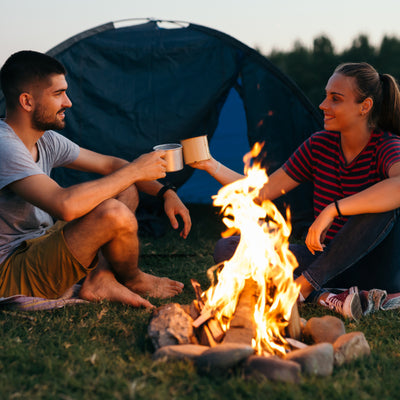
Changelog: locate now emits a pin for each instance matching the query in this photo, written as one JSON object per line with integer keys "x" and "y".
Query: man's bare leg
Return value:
{"x": 118, "y": 241}
{"x": 101, "y": 284}
{"x": 130, "y": 197}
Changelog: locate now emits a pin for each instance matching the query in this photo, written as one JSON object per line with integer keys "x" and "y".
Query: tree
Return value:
{"x": 324, "y": 61}
{"x": 311, "y": 69}
{"x": 360, "y": 51}
{"x": 389, "y": 57}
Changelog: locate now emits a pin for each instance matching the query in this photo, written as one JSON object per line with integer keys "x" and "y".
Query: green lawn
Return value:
{"x": 102, "y": 351}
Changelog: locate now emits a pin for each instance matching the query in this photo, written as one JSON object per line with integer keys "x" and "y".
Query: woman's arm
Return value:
{"x": 378, "y": 198}
{"x": 278, "y": 183}
{"x": 218, "y": 171}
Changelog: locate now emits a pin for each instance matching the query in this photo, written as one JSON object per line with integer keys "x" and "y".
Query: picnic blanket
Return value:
{"x": 27, "y": 303}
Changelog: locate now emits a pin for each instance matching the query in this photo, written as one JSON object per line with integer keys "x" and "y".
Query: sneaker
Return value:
{"x": 391, "y": 301}
{"x": 346, "y": 303}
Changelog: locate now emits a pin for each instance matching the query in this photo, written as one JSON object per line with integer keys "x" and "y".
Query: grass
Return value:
{"x": 102, "y": 351}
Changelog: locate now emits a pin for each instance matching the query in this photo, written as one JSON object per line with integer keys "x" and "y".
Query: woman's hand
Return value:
{"x": 316, "y": 233}
{"x": 218, "y": 171}
{"x": 206, "y": 165}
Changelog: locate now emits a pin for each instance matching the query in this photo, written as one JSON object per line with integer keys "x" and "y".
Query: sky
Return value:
{"x": 264, "y": 24}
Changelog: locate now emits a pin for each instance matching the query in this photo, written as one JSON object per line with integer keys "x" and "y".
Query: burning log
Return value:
{"x": 198, "y": 292}
{"x": 210, "y": 330}
{"x": 205, "y": 314}
{"x": 206, "y": 337}
{"x": 293, "y": 330}
{"x": 242, "y": 328}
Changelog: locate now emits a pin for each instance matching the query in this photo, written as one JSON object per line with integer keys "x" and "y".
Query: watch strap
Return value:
{"x": 166, "y": 187}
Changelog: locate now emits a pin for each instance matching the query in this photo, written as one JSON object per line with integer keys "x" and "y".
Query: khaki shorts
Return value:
{"x": 42, "y": 267}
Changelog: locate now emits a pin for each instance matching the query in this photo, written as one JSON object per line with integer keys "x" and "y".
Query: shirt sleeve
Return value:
{"x": 299, "y": 166}
{"x": 388, "y": 155}
{"x": 15, "y": 162}
{"x": 58, "y": 149}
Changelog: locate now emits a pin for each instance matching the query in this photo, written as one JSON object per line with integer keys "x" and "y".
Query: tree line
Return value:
{"x": 311, "y": 68}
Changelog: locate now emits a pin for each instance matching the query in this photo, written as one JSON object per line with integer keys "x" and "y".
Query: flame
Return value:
{"x": 262, "y": 256}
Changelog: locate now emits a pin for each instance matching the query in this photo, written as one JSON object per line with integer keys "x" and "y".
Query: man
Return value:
{"x": 96, "y": 232}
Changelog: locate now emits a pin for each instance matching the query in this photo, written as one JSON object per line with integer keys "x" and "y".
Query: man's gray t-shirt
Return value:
{"x": 20, "y": 220}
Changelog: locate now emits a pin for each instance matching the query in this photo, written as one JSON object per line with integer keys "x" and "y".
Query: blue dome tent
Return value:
{"x": 138, "y": 83}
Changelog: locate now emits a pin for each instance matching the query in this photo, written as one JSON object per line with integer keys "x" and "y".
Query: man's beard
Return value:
{"x": 43, "y": 122}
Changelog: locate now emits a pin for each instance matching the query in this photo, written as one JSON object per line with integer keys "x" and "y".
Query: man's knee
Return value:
{"x": 130, "y": 197}
{"x": 112, "y": 214}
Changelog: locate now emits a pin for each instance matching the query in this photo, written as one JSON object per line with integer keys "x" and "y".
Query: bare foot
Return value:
{"x": 101, "y": 284}
{"x": 154, "y": 286}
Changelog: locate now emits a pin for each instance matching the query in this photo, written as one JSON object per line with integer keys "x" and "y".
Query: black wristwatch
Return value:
{"x": 166, "y": 187}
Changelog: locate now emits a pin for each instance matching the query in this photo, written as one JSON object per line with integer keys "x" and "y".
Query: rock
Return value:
{"x": 222, "y": 357}
{"x": 314, "y": 360}
{"x": 350, "y": 346}
{"x": 296, "y": 344}
{"x": 272, "y": 368}
{"x": 323, "y": 329}
{"x": 180, "y": 352}
{"x": 171, "y": 325}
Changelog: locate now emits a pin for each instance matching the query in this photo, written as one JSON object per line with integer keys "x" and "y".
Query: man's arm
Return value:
{"x": 90, "y": 161}
{"x": 77, "y": 200}
{"x": 173, "y": 205}
{"x": 93, "y": 162}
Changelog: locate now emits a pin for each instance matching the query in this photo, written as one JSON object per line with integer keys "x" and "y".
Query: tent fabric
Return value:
{"x": 137, "y": 86}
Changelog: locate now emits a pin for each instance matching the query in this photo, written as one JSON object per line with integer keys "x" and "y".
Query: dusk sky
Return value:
{"x": 265, "y": 24}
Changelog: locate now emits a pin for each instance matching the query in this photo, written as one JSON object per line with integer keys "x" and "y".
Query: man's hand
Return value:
{"x": 173, "y": 206}
{"x": 151, "y": 166}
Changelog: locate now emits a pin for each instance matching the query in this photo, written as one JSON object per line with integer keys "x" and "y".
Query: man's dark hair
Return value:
{"x": 23, "y": 69}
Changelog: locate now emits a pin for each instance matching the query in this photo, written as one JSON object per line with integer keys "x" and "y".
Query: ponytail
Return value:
{"x": 389, "y": 115}
{"x": 382, "y": 89}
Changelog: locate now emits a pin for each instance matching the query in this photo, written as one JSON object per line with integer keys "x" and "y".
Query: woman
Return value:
{"x": 355, "y": 167}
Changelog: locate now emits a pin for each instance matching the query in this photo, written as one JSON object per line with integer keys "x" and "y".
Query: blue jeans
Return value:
{"x": 364, "y": 253}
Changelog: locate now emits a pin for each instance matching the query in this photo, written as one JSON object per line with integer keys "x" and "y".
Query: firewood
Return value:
{"x": 206, "y": 338}
{"x": 205, "y": 315}
{"x": 242, "y": 327}
{"x": 293, "y": 330}
{"x": 194, "y": 309}
{"x": 215, "y": 329}
{"x": 198, "y": 292}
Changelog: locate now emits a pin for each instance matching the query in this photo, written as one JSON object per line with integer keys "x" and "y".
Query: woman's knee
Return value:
{"x": 225, "y": 248}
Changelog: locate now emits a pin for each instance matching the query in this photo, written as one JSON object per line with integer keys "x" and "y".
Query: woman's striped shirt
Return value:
{"x": 320, "y": 159}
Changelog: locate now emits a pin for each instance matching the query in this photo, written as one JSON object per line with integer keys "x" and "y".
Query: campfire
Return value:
{"x": 262, "y": 266}
{"x": 251, "y": 302}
